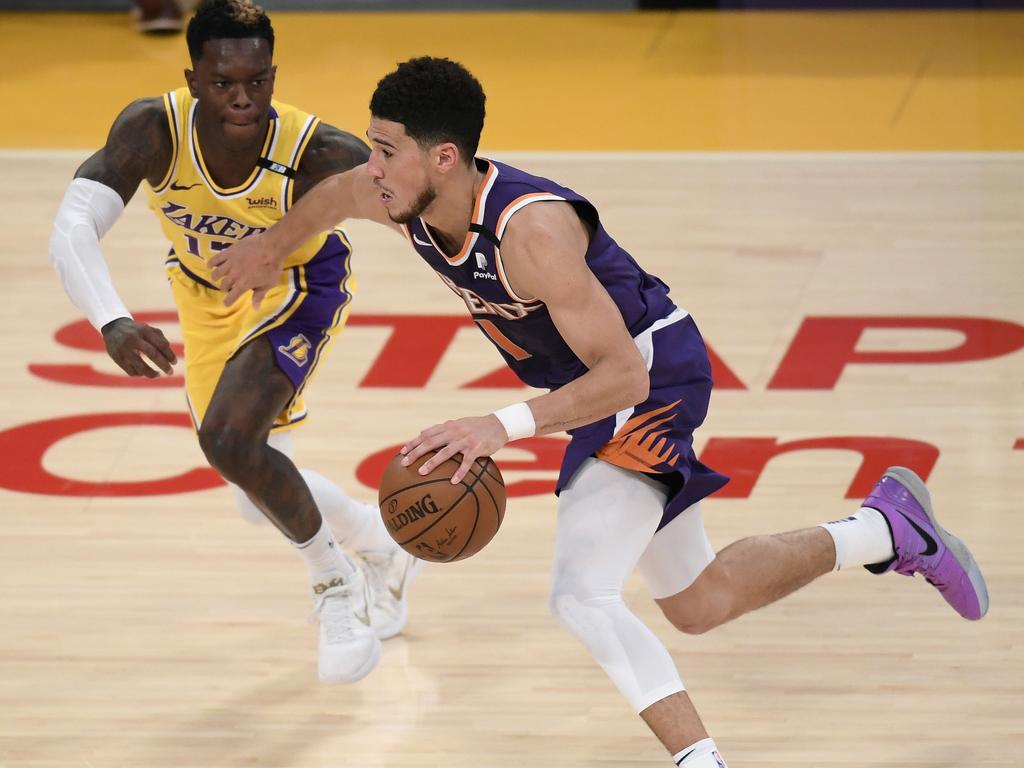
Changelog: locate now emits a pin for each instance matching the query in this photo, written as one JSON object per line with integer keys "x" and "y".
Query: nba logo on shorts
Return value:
{"x": 718, "y": 759}
{"x": 297, "y": 349}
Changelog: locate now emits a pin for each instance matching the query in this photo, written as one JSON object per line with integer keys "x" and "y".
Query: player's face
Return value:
{"x": 234, "y": 82}
{"x": 401, "y": 170}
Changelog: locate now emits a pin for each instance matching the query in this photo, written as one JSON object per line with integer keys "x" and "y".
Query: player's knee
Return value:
{"x": 584, "y": 619}
{"x": 228, "y": 450}
{"x": 699, "y": 614}
{"x": 582, "y": 609}
{"x": 691, "y": 623}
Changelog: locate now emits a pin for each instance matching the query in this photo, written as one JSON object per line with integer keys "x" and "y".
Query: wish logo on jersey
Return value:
{"x": 297, "y": 350}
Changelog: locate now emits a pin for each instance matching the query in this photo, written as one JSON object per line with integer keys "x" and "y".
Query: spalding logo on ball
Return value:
{"x": 437, "y": 521}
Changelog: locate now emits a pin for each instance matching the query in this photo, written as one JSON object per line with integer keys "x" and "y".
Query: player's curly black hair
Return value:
{"x": 437, "y": 100}
{"x": 227, "y": 19}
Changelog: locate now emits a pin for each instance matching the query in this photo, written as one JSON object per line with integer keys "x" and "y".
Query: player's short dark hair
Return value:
{"x": 227, "y": 19}
{"x": 437, "y": 100}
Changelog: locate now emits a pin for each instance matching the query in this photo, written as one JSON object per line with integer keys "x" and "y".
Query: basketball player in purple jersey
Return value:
{"x": 221, "y": 159}
{"x": 572, "y": 312}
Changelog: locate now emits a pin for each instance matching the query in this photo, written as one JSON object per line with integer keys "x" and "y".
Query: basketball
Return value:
{"x": 436, "y": 521}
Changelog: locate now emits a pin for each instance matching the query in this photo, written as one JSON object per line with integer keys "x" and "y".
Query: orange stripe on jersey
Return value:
{"x": 641, "y": 445}
{"x": 502, "y": 340}
{"x": 503, "y": 219}
{"x": 481, "y": 198}
{"x": 518, "y": 203}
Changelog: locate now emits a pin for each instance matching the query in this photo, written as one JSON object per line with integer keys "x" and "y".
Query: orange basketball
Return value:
{"x": 437, "y": 521}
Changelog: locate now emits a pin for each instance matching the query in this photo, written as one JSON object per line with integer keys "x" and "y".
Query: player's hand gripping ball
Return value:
{"x": 436, "y": 521}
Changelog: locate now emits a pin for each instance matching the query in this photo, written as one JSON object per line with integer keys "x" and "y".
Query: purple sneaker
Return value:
{"x": 923, "y": 546}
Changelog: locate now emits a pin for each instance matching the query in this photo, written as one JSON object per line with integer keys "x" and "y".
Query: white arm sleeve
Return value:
{"x": 88, "y": 211}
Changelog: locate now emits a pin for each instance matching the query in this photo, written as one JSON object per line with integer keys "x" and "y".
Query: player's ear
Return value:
{"x": 190, "y": 81}
{"x": 446, "y": 156}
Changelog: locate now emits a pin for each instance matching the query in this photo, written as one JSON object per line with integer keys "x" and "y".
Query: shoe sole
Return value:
{"x": 362, "y": 672}
{"x": 909, "y": 479}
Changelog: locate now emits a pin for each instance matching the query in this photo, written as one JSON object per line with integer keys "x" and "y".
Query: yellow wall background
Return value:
{"x": 579, "y": 81}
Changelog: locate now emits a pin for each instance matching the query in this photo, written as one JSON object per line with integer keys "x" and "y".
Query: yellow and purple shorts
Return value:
{"x": 300, "y": 317}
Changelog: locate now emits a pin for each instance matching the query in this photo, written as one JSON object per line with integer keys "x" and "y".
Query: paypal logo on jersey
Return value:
{"x": 481, "y": 264}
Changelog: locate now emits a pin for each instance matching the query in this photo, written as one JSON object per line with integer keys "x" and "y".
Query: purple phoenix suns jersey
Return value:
{"x": 654, "y": 437}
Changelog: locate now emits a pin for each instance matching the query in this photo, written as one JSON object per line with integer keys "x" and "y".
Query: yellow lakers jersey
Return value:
{"x": 200, "y": 217}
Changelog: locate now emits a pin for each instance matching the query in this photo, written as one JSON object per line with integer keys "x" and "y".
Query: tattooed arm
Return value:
{"x": 138, "y": 147}
{"x": 330, "y": 151}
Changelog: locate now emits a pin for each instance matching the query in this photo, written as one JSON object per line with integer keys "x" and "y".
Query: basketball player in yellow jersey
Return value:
{"x": 222, "y": 161}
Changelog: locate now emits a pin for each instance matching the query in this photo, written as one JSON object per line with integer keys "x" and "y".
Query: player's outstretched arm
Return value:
{"x": 255, "y": 262}
{"x": 138, "y": 147}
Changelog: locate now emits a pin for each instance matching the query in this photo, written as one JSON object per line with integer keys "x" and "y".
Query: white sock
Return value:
{"x": 861, "y": 539}
{"x": 324, "y": 557}
{"x": 357, "y": 525}
{"x": 703, "y": 754}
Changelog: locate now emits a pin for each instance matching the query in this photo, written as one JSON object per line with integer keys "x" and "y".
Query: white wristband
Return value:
{"x": 517, "y": 420}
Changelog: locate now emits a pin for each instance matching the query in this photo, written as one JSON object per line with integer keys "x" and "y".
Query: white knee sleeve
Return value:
{"x": 606, "y": 518}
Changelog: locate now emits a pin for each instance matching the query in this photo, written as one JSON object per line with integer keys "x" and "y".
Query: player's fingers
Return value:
{"x": 125, "y": 366}
{"x": 442, "y": 455}
{"x": 415, "y": 448}
{"x": 413, "y": 451}
{"x": 165, "y": 346}
{"x": 132, "y": 364}
{"x": 146, "y": 351}
{"x": 467, "y": 464}
{"x": 221, "y": 272}
{"x": 154, "y": 346}
{"x": 257, "y": 297}
{"x": 234, "y": 294}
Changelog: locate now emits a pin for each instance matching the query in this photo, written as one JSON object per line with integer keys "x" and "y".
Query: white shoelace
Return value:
{"x": 336, "y": 610}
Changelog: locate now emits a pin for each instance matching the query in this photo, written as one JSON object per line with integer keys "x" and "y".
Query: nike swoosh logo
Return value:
{"x": 931, "y": 546}
{"x": 397, "y": 593}
{"x": 421, "y": 242}
{"x": 180, "y": 188}
{"x": 680, "y": 760}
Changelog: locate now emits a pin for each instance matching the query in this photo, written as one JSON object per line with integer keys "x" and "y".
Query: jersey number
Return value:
{"x": 215, "y": 246}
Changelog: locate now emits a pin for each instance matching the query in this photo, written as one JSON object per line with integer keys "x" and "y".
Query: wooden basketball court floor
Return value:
{"x": 867, "y": 295}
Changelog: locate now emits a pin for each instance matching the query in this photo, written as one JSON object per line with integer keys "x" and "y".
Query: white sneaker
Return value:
{"x": 349, "y": 649}
{"x": 389, "y": 573}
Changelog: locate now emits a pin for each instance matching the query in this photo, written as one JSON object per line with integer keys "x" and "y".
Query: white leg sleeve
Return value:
{"x": 677, "y": 555}
{"x": 356, "y": 524}
{"x": 606, "y": 519}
